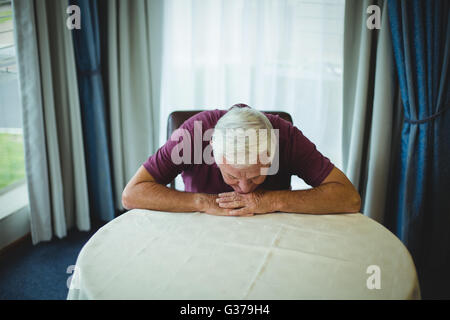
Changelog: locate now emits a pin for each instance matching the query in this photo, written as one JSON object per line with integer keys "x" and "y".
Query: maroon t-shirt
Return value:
{"x": 297, "y": 156}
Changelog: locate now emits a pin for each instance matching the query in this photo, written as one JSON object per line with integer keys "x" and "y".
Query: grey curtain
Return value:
{"x": 55, "y": 164}
{"x": 133, "y": 49}
{"x": 370, "y": 102}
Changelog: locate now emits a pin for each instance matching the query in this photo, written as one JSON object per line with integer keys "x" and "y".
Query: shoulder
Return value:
{"x": 276, "y": 121}
{"x": 207, "y": 118}
{"x": 284, "y": 127}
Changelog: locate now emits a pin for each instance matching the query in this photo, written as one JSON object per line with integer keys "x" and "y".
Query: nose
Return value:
{"x": 245, "y": 186}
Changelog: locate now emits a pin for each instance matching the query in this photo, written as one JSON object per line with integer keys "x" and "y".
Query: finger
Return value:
{"x": 232, "y": 204}
{"x": 240, "y": 212}
{"x": 227, "y": 194}
{"x": 228, "y": 199}
{"x": 247, "y": 215}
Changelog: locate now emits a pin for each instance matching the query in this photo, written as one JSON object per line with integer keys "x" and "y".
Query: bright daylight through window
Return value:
{"x": 12, "y": 163}
{"x": 271, "y": 55}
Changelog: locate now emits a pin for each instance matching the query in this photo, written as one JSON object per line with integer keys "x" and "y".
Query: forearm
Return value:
{"x": 331, "y": 197}
{"x": 154, "y": 196}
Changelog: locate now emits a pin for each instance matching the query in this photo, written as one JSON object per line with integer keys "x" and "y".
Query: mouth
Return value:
{"x": 238, "y": 190}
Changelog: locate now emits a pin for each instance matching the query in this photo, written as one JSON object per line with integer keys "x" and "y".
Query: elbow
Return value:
{"x": 127, "y": 199}
{"x": 355, "y": 202}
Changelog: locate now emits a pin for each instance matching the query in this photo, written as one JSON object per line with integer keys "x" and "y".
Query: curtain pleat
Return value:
{"x": 132, "y": 54}
{"x": 370, "y": 89}
{"x": 53, "y": 138}
{"x": 92, "y": 101}
{"x": 420, "y": 37}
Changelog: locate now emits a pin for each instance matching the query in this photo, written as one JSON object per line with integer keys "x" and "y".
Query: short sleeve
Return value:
{"x": 161, "y": 165}
{"x": 304, "y": 160}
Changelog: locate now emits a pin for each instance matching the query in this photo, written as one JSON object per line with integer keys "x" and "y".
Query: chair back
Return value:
{"x": 176, "y": 118}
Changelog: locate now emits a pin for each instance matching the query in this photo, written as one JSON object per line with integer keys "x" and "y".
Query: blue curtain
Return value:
{"x": 421, "y": 39}
{"x": 87, "y": 54}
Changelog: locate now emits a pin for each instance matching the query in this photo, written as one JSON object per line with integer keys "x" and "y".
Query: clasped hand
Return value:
{"x": 238, "y": 204}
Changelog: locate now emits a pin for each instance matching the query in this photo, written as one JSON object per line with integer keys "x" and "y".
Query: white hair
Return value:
{"x": 240, "y": 132}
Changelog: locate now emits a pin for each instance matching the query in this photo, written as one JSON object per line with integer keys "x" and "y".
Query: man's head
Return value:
{"x": 244, "y": 145}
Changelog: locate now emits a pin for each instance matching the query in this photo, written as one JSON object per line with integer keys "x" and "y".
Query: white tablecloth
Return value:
{"x": 146, "y": 254}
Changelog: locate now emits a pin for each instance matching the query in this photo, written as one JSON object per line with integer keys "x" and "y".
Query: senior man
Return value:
{"x": 233, "y": 182}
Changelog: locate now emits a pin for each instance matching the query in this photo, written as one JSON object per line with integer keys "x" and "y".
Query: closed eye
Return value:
{"x": 255, "y": 178}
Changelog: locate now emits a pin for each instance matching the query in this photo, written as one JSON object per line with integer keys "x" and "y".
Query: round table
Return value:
{"x": 145, "y": 254}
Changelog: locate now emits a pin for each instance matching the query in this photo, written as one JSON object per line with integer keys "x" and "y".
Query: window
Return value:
{"x": 283, "y": 55}
{"x": 12, "y": 161}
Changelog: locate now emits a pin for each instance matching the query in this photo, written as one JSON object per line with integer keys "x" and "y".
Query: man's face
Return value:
{"x": 242, "y": 180}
